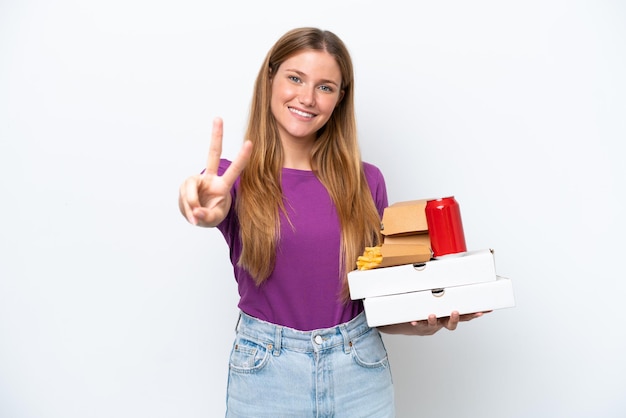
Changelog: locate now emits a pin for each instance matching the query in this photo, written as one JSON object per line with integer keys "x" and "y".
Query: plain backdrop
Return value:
{"x": 112, "y": 305}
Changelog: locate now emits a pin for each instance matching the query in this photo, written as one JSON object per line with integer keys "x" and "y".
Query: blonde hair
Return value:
{"x": 335, "y": 159}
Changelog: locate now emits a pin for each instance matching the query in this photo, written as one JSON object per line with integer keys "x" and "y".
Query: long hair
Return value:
{"x": 335, "y": 159}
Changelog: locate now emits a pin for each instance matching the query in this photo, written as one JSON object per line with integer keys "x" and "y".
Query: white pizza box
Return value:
{"x": 459, "y": 269}
{"x": 417, "y": 306}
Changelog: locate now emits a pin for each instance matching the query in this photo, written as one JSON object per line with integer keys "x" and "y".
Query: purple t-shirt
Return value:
{"x": 303, "y": 290}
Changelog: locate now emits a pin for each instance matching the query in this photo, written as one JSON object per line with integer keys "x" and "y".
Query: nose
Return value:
{"x": 307, "y": 96}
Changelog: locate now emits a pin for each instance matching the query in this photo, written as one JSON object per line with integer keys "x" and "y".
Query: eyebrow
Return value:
{"x": 324, "y": 81}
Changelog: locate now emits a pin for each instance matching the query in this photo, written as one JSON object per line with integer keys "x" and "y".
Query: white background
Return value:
{"x": 111, "y": 305}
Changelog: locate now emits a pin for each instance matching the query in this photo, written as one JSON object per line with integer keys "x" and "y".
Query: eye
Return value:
{"x": 327, "y": 89}
{"x": 294, "y": 78}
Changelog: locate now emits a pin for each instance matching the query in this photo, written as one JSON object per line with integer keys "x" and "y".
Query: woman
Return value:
{"x": 297, "y": 206}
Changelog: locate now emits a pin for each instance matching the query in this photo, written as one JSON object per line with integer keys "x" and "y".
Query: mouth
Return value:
{"x": 301, "y": 113}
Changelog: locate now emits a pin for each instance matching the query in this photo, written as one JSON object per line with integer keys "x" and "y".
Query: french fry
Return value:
{"x": 371, "y": 258}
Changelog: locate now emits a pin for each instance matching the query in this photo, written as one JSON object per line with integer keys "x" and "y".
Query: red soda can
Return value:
{"x": 445, "y": 227}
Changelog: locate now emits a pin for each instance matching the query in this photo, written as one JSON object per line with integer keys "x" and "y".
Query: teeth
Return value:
{"x": 301, "y": 113}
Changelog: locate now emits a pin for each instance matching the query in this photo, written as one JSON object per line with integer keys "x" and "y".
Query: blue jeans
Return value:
{"x": 279, "y": 372}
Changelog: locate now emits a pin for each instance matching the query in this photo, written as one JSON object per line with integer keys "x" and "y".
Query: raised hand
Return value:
{"x": 204, "y": 199}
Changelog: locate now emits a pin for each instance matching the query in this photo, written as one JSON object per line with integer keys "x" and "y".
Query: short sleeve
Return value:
{"x": 376, "y": 182}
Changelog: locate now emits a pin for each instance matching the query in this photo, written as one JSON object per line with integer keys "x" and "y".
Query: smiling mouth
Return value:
{"x": 301, "y": 113}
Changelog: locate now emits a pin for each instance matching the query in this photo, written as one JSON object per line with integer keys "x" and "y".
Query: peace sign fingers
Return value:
{"x": 215, "y": 148}
{"x": 205, "y": 199}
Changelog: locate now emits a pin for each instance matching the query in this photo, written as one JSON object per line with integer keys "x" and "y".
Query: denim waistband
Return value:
{"x": 317, "y": 340}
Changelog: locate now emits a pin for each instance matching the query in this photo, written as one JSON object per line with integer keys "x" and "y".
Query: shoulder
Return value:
{"x": 224, "y": 164}
{"x": 372, "y": 173}
{"x": 376, "y": 183}
{"x": 221, "y": 168}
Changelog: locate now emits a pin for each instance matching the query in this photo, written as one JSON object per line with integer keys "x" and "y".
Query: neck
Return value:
{"x": 303, "y": 163}
{"x": 297, "y": 155}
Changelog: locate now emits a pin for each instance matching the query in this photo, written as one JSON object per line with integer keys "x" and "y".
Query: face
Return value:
{"x": 305, "y": 90}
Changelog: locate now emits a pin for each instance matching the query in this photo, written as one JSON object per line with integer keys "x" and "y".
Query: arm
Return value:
{"x": 204, "y": 199}
{"x": 431, "y": 325}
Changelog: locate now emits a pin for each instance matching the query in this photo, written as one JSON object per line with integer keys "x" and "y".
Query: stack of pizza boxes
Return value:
{"x": 410, "y": 283}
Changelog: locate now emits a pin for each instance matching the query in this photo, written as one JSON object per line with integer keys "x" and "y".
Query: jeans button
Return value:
{"x": 319, "y": 339}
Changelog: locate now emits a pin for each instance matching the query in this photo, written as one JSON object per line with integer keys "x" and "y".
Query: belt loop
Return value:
{"x": 238, "y": 321}
{"x": 277, "y": 340}
{"x": 347, "y": 344}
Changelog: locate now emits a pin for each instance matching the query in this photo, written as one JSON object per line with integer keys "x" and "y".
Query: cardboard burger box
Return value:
{"x": 399, "y": 254}
{"x": 405, "y": 234}
{"x": 405, "y": 218}
{"x": 422, "y": 239}
{"x": 465, "y": 282}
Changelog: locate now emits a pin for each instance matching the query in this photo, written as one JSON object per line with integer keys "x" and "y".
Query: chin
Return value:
{"x": 302, "y": 134}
